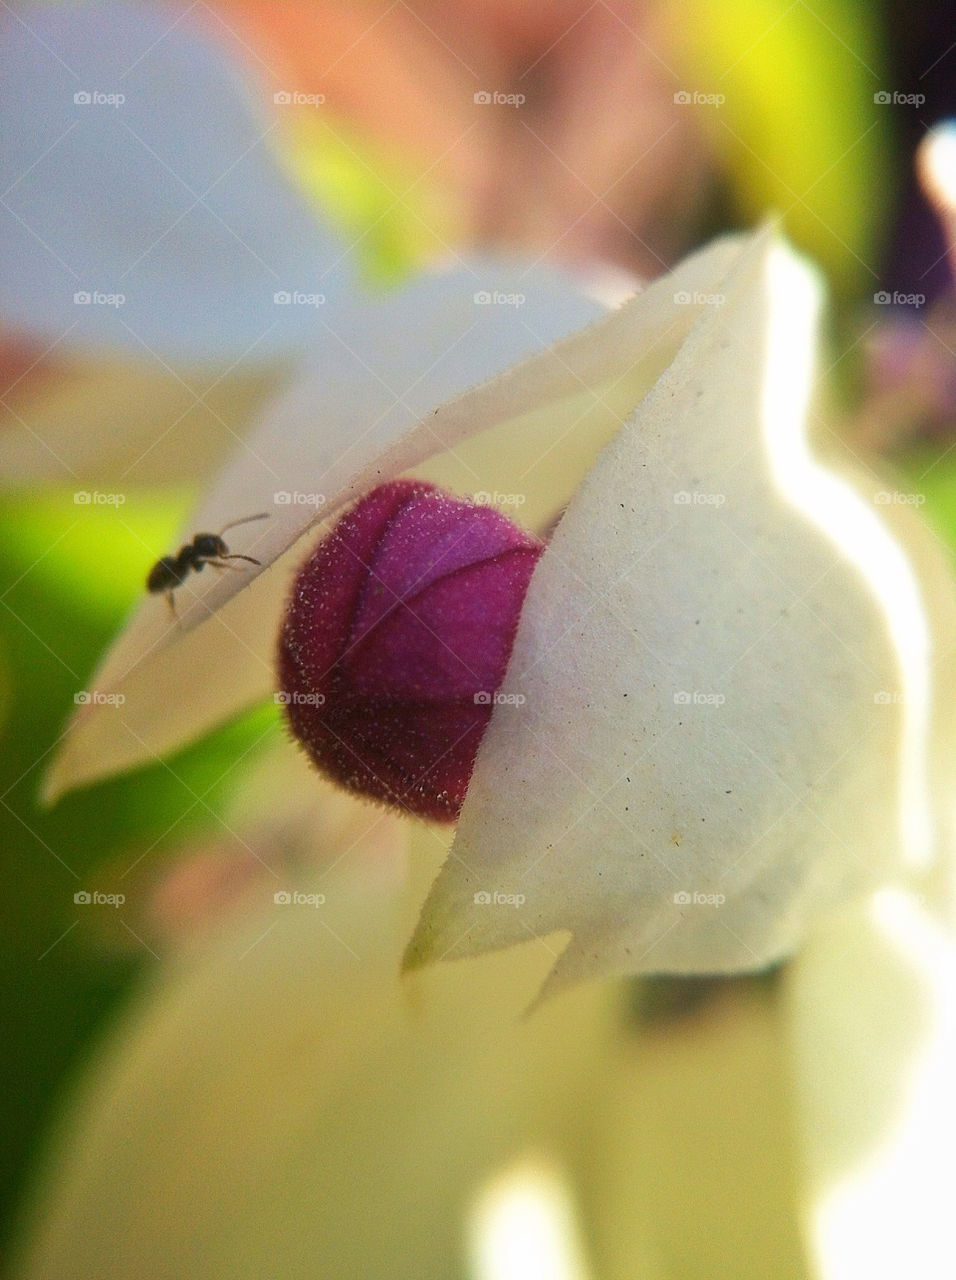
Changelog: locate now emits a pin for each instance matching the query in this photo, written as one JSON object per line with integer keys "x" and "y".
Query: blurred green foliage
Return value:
{"x": 68, "y": 576}
{"x": 931, "y": 472}
{"x": 394, "y": 221}
{"x": 798, "y": 132}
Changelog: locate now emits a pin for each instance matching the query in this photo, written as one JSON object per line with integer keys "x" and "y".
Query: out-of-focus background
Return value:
{"x": 609, "y": 138}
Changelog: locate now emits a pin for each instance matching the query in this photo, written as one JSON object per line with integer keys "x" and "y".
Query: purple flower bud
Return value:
{"x": 397, "y": 636}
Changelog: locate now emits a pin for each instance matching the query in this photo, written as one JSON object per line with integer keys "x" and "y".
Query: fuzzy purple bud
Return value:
{"x": 396, "y": 638}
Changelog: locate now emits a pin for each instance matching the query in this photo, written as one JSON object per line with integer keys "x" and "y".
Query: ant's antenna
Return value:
{"x": 263, "y": 515}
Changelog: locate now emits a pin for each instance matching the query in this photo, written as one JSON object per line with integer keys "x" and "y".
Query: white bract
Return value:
{"x": 727, "y": 718}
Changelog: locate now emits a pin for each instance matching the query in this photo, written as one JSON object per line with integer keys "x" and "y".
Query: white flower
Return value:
{"x": 728, "y": 659}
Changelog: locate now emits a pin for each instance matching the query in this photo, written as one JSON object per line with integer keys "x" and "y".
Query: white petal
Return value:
{"x": 723, "y": 654}
{"x": 170, "y": 199}
{"x": 369, "y": 407}
{"x": 873, "y": 1024}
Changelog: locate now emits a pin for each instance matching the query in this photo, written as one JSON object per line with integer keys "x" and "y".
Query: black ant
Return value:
{"x": 206, "y": 548}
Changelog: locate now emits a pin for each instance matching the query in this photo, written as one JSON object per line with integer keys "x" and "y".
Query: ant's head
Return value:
{"x": 208, "y": 545}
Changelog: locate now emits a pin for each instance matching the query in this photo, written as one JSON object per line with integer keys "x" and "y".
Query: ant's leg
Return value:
{"x": 218, "y": 564}
{"x": 172, "y": 605}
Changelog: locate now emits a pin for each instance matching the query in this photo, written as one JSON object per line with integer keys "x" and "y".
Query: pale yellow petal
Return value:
{"x": 872, "y": 1018}
{"x": 283, "y": 1106}
{"x": 696, "y": 1131}
{"x": 94, "y": 421}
